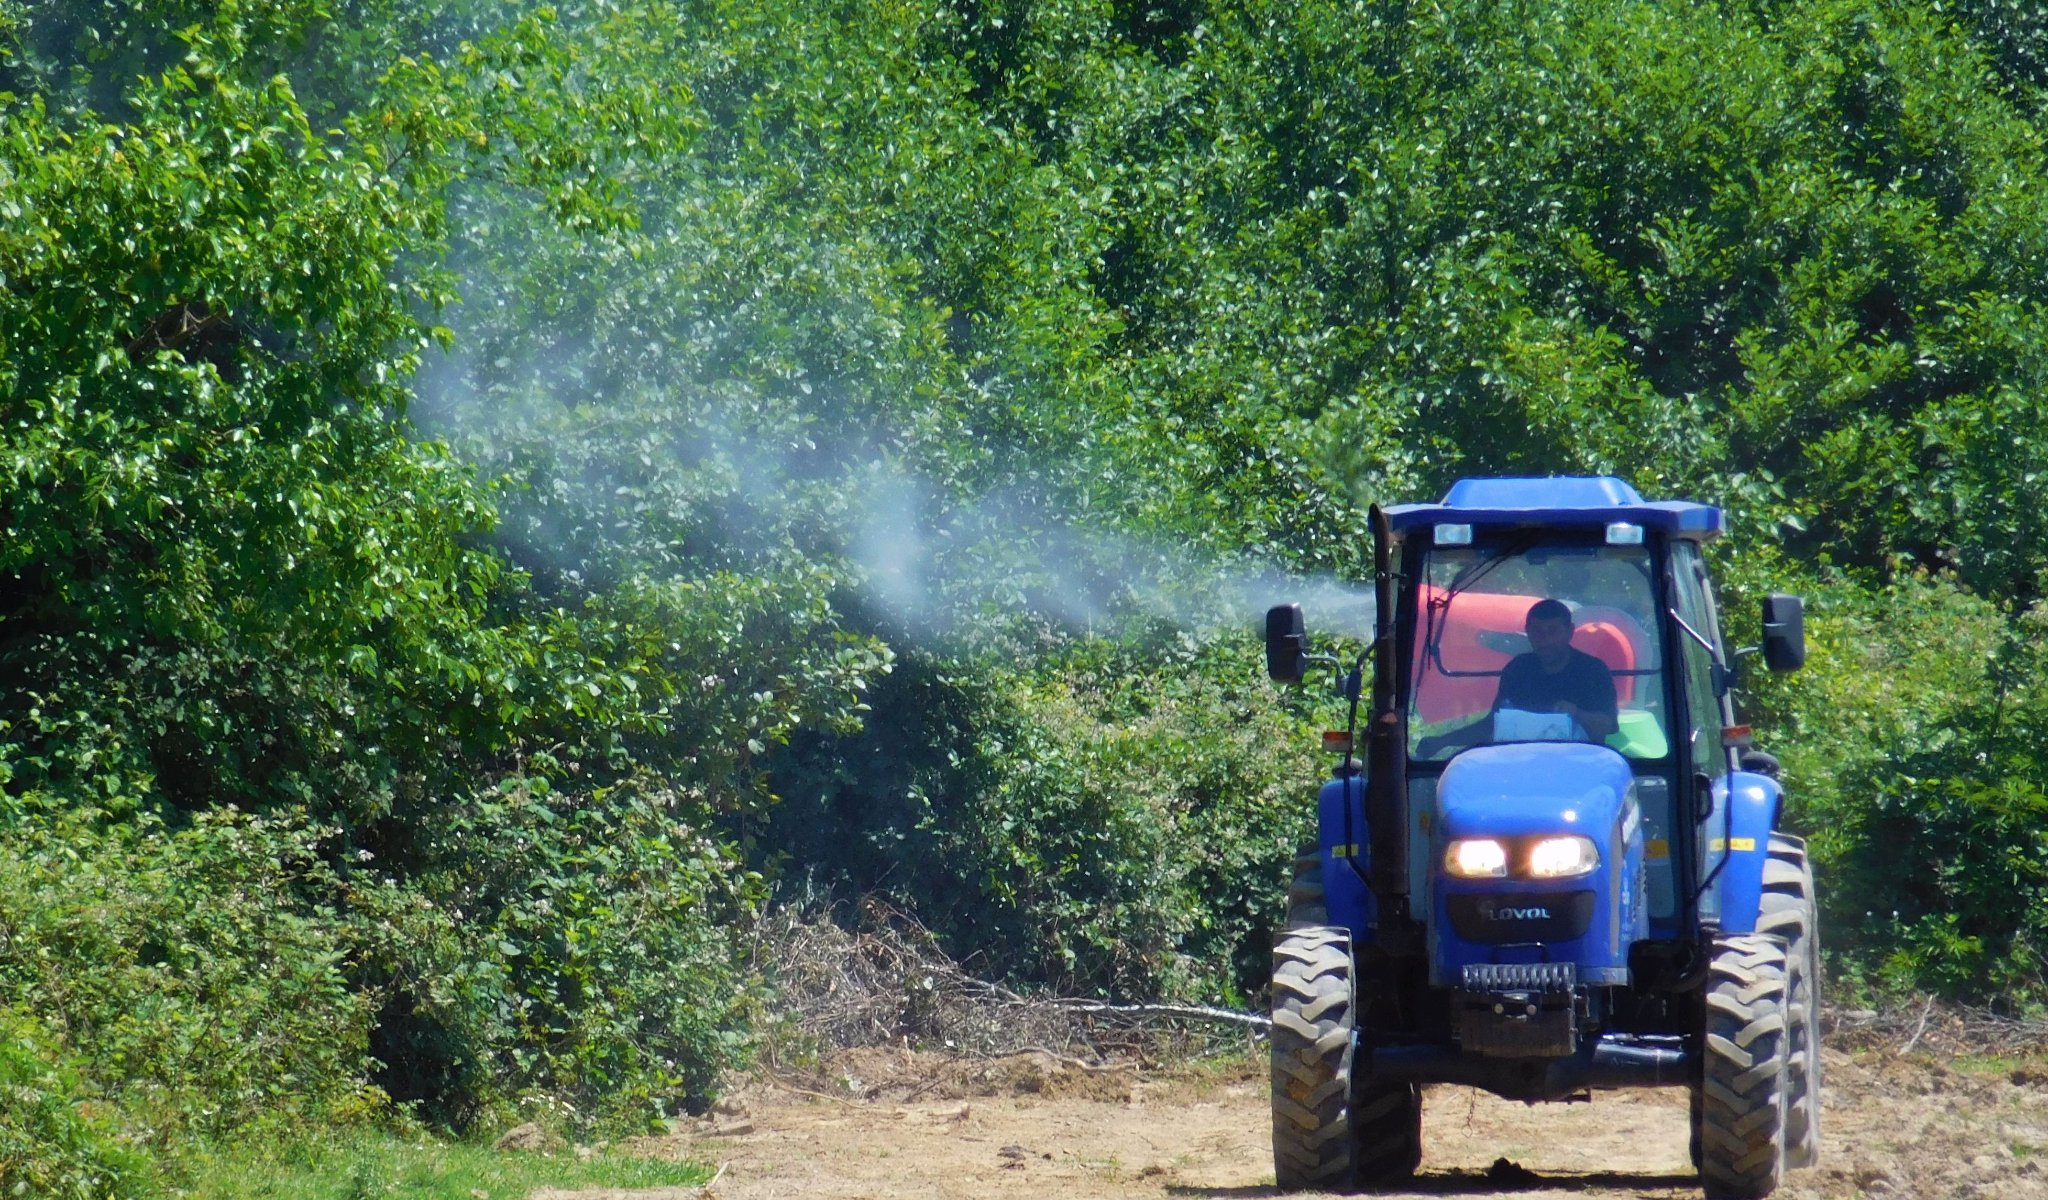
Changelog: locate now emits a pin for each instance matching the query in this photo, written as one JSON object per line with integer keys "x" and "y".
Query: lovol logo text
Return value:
{"x": 1509, "y": 912}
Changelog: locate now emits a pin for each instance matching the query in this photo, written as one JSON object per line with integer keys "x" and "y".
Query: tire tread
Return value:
{"x": 1741, "y": 1108}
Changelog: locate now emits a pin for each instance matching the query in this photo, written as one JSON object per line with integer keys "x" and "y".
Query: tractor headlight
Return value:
{"x": 1563, "y": 858}
{"x": 1476, "y": 858}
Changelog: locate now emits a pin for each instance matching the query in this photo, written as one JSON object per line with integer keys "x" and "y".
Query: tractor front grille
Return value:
{"x": 1518, "y": 1010}
{"x": 1521, "y": 977}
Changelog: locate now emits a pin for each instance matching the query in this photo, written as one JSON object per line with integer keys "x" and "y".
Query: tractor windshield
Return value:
{"x": 1588, "y": 667}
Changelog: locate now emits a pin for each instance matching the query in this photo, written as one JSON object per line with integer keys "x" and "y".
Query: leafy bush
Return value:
{"x": 1917, "y": 756}
{"x": 592, "y": 957}
{"x": 1120, "y": 821}
{"x": 52, "y": 1142}
{"x": 265, "y": 666}
{"x": 201, "y": 972}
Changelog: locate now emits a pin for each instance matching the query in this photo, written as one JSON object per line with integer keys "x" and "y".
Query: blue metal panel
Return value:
{"x": 1565, "y": 501}
{"x": 1751, "y": 804}
{"x": 1350, "y": 904}
{"x": 1530, "y": 790}
{"x": 1522, "y": 788}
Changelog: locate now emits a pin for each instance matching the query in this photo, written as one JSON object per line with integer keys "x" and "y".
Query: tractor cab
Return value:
{"x": 1473, "y": 681}
{"x": 1550, "y": 847}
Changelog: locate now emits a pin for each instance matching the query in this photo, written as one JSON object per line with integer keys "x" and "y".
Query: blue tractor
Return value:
{"x": 1558, "y": 867}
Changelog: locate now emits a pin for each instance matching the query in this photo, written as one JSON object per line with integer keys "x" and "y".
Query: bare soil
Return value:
{"x": 893, "y": 1123}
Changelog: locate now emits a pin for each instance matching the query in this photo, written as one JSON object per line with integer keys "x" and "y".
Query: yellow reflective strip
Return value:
{"x": 1659, "y": 850}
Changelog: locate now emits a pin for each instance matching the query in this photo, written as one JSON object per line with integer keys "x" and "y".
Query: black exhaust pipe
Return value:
{"x": 1386, "y": 797}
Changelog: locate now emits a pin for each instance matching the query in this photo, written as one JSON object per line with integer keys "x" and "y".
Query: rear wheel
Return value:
{"x": 1694, "y": 1148}
{"x": 1739, "y": 1109}
{"x": 1305, "y": 902}
{"x": 1788, "y": 912}
{"x": 1387, "y": 1123}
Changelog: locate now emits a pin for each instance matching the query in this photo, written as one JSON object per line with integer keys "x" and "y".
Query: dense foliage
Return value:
{"x": 488, "y": 492}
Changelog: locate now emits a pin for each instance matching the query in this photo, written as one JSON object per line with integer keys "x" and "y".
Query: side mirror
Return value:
{"x": 1784, "y": 632}
{"x": 1286, "y": 644}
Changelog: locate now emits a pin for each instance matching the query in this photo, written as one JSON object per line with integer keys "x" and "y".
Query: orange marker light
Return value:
{"x": 1336, "y": 741}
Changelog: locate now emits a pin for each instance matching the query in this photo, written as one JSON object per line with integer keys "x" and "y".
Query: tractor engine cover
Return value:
{"x": 1521, "y": 794}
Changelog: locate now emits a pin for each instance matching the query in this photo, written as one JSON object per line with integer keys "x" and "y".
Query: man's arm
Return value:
{"x": 1474, "y": 733}
{"x": 1598, "y": 726}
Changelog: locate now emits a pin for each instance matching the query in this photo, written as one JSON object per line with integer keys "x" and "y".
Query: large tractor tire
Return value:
{"x": 1329, "y": 1131}
{"x": 1788, "y": 912}
{"x": 1306, "y": 904}
{"x": 1739, "y": 1107}
{"x": 1386, "y": 1126}
{"x": 1312, "y": 1048}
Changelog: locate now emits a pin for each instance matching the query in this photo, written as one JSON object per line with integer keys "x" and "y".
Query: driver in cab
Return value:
{"x": 1555, "y": 677}
{"x": 1551, "y": 679}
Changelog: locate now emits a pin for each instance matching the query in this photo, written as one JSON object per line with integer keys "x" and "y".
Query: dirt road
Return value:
{"x": 919, "y": 1127}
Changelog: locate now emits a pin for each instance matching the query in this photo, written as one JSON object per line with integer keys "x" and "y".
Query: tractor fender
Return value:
{"x": 1741, "y": 846}
{"x": 1342, "y": 841}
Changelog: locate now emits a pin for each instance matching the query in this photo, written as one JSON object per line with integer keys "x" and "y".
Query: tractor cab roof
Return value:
{"x": 1563, "y": 501}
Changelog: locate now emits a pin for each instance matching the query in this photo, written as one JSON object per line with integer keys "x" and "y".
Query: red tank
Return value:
{"x": 1482, "y": 631}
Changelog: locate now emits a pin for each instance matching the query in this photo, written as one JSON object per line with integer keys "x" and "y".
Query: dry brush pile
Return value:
{"x": 880, "y": 978}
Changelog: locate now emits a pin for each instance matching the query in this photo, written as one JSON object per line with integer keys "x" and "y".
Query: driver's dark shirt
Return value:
{"x": 1583, "y": 680}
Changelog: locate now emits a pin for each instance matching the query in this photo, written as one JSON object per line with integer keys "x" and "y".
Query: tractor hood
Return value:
{"x": 1518, "y": 792}
{"x": 1529, "y": 789}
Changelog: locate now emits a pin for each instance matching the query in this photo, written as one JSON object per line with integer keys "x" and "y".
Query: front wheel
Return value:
{"x": 1318, "y": 990}
{"x": 1739, "y": 1106}
{"x": 1312, "y": 1052}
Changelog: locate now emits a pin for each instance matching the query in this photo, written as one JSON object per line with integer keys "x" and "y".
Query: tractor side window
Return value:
{"x": 1705, "y": 706}
{"x": 1473, "y": 608}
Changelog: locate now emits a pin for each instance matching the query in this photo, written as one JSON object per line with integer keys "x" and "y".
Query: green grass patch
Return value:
{"x": 2016, "y": 1067}
{"x": 1221, "y": 1068}
{"x": 367, "y": 1165}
